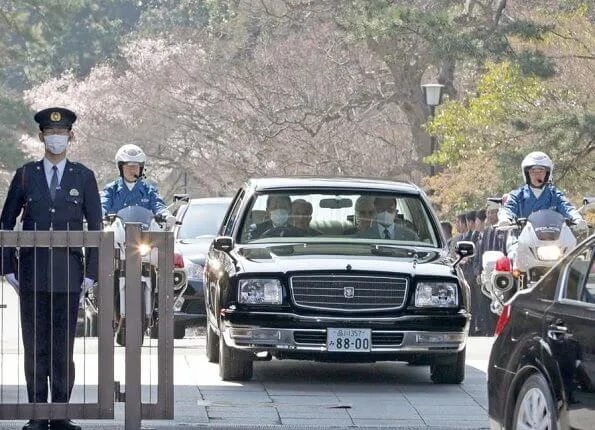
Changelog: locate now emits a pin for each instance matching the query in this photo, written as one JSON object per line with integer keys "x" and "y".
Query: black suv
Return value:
{"x": 297, "y": 272}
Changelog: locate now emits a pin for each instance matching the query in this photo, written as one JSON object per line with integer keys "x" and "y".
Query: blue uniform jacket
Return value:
{"x": 522, "y": 202}
{"x": 76, "y": 199}
{"x": 116, "y": 196}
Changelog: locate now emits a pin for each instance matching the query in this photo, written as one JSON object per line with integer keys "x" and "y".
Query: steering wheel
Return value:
{"x": 282, "y": 231}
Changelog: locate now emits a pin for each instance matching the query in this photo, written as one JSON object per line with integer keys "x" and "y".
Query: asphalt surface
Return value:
{"x": 284, "y": 394}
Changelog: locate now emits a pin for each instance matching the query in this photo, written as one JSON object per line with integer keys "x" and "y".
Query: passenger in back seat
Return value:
{"x": 301, "y": 216}
{"x": 364, "y": 214}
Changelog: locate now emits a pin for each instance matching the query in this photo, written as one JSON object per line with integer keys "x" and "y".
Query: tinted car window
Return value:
{"x": 231, "y": 217}
{"x": 201, "y": 219}
{"x": 333, "y": 215}
{"x": 580, "y": 284}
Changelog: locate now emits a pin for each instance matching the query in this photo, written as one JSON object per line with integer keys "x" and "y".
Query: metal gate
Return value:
{"x": 96, "y": 402}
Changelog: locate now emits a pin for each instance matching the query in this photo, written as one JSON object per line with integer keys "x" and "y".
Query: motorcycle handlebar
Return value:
{"x": 160, "y": 218}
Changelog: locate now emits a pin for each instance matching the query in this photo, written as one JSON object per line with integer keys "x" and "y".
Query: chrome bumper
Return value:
{"x": 257, "y": 339}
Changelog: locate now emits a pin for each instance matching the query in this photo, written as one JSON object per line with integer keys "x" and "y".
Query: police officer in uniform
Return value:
{"x": 57, "y": 194}
{"x": 130, "y": 188}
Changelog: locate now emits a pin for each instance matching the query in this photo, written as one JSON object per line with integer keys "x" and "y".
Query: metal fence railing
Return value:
{"x": 97, "y": 361}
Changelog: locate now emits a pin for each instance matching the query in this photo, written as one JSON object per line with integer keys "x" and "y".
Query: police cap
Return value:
{"x": 55, "y": 117}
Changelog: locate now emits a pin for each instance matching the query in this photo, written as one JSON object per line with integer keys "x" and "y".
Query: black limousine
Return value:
{"x": 334, "y": 269}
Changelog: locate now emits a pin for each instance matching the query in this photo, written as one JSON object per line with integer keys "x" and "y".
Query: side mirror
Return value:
{"x": 465, "y": 248}
{"x": 223, "y": 243}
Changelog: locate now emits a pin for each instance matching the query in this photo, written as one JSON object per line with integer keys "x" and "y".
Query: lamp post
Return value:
{"x": 432, "y": 97}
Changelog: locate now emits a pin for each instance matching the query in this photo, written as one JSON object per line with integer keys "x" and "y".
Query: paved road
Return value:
{"x": 287, "y": 394}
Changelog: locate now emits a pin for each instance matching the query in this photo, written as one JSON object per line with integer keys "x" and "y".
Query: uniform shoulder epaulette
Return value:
{"x": 77, "y": 165}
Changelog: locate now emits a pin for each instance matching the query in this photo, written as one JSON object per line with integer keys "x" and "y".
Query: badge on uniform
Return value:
{"x": 74, "y": 192}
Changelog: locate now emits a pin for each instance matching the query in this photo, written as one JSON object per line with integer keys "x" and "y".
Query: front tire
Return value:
{"x": 535, "y": 408}
{"x": 452, "y": 373}
{"x": 234, "y": 364}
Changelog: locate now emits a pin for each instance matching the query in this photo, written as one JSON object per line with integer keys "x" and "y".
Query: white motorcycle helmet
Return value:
{"x": 130, "y": 153}
{"x": 537, "y": 159}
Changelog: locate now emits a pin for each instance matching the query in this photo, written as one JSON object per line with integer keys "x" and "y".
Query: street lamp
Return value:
{"x": 432, "y": 97}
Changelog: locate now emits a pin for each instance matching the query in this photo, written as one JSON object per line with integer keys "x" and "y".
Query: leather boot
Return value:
{"x": 63, "y": 425}
{"x": 121, "y": 332}
{"x": 36, "y": 425}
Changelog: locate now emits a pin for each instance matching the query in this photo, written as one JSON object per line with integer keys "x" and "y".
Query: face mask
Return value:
{"x": 279, "y": 216}
{"x": 385, "y": 218}
{"x": 56, "y": 143}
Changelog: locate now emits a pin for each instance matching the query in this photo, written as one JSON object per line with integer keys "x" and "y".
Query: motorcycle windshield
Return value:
{"x": 547, "y": 224}
{"x": 136, "y": 214}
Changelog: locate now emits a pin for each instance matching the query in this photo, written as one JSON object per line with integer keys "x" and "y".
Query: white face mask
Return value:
{"x": 279, "y": 217}
{"x": 385, "y": 218}
{"x": 56, "y": 143}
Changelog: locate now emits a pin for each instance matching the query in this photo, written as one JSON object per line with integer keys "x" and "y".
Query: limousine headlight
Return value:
{"x": 436, "y": 295}
{"x": 260, "y": 291}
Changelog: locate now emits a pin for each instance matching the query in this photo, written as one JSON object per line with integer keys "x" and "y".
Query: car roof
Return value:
{"x": 210, "y": 200}
{"x": 301, "y": 182}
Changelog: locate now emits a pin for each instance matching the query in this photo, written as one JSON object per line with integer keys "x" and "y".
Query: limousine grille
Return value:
{"x": 349, "y": 293}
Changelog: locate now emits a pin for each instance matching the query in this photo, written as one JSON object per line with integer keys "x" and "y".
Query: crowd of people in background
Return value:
{"x": 479, "y": 227}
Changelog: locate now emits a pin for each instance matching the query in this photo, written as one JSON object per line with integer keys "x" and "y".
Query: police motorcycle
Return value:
{"x": 149, "y": 222}
{"x": 533, "y": 246}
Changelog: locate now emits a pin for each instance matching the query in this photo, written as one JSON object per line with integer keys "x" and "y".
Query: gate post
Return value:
{"x": 133, "y": 294}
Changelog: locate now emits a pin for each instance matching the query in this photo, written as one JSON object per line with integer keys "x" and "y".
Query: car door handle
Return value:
{"x": 557, "y": 332}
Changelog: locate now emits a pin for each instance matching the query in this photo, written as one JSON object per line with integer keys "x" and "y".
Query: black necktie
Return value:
{"x": 54, "y": 183}
{"x": 386, "y": 233}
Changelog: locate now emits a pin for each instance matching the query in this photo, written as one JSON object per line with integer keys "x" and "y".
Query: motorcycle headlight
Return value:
{"x": 436, "y": 295}
{"x": 144, "y": 249}
{"x": 194, "y": 270}
{"x": 260, "y": 291}
{"x": 549, "y": 253}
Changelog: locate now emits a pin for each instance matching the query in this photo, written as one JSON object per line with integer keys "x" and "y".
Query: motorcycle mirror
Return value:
{"x": 588, "y": 203}
{"x": 181, "y": 197}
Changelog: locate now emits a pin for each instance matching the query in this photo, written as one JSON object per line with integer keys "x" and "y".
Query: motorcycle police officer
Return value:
{"x": 54, "y": 193}
{"x": 537, "y": 193}
{"x": 131, "y": 189}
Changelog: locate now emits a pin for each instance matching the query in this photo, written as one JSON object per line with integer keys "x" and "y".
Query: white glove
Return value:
{"x": 504, "y": 222}
{"x": 12, "y": 280}
{"x": 170, "y": 219}
{"x": 86, "y": 285}
{"x": 580, "y": 224}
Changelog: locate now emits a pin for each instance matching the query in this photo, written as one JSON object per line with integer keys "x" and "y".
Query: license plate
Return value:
{"x": 348, "y": 339}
